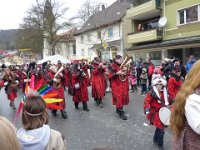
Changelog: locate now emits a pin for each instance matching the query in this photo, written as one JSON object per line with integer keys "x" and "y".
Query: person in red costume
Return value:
{"x": 98, "y": 81}
{"x": 156, "y": 98}
{"x": 58, "y": 87}
{"x": 174, "y": 82}
{"x": 11, "y": 85}
{"x": 80, "y": 90}
{"x": 120, "y": 95}
{"x": 85, "y": 67}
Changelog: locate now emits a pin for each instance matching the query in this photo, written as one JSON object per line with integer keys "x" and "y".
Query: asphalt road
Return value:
{"x": 100, "y": 126}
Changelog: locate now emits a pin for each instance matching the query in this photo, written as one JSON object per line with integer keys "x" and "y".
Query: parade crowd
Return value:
{"x": 170, "y": 85}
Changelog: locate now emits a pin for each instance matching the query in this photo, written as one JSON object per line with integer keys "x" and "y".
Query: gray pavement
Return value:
{"x": 100, "y": 126}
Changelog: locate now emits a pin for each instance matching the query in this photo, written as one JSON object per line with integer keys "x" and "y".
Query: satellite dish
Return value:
{"x": 162, "y": 21}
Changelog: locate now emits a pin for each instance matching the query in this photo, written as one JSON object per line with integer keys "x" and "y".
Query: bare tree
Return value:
{"x": 87, "y": 9}
{"x": 47, "y": 17}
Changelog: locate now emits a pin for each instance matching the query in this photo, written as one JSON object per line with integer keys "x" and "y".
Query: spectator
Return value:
{"x": 143, "y": 82}
{"x": 185, "y": 120}
{"x": 150, "y": 68}
{"x": 177, "y": 62}
{"x": 8, "y": 136}
{"x": 35, "y": 133}
{"x": 190, "y": 63}
{"x": 174, "y": 82}
{"x": 140, "y": 27}
{"x": 139, "y": 67}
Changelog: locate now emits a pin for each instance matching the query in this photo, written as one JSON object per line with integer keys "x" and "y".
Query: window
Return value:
{"x": 82, "y": 52}
{"x": 98, "y": 34}
{"x": 110, "y": 32}
{"x": 156, "y": 57}
{"x": 188, "y": 15}
{"x": 82, "y": 39}
{"x": 74, "y": 49}
{"x": 89, "y": 37}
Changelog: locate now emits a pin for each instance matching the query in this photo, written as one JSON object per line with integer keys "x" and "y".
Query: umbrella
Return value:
{"x": 54, "y": 59}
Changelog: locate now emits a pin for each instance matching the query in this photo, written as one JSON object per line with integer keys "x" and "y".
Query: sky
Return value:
{"x": 12, "y": 12}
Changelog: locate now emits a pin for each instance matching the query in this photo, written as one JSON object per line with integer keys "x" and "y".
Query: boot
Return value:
{"x": 76, "y": 105}
{"x": 122, "y": 114}
{"x": 100, "y": 103}
{"x": 12, "y": 104}
{"x": 160, "y": 147}
{"x": 64, "y": 114}
{"x": 54, "y": 112}
{"x": 97, "y": 101}
{"x": 85, "y": 107}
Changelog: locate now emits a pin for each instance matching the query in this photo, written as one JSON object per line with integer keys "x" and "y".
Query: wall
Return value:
{"x": 173, "y": 30}
{"x": 86, "y": 45}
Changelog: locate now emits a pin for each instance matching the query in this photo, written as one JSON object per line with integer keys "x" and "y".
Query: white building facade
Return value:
{"x": 102, "y": 34}
{"x": 104, "y": 37}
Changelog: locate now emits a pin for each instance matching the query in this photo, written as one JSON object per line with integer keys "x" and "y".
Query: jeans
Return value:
{"x": 159, "y": 136}
{"x": 143, "y": 88}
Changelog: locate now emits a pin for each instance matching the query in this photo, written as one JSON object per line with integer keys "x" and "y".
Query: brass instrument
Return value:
{"x": 124, "y": 68}
{"x": 57, "y": 83}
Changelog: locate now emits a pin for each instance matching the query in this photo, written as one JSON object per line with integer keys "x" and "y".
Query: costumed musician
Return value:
{"x": 58, "y": 87}
{"x": 118, "y": 75}
{"x": 85, "y": 67}
{"x": 10, "y": 83}
{"x": 156, "y": 98}
{"x": 79, "y": 84}
{"x": 98, "y": 81}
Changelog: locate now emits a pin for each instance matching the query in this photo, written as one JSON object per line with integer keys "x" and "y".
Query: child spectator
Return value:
{"x": 35, "y": 134}
{"x": 133, "y": 81}
{"x": 143, "y": 78}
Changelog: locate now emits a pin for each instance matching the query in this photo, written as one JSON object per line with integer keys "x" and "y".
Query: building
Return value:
{"x": 66, "y": 45}
{"x": 164, "y": 29}
{"x": 102, "y": 34}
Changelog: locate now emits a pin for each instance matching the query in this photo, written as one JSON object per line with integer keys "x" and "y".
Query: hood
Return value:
{"x": 36, "y": 139}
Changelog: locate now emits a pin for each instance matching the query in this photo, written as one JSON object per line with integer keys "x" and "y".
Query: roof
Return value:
{"x": 179, "y": 41}
{"x": 67, "y": 36}
{"x": 110, "y": 44}
{"x": 112, "y": 14}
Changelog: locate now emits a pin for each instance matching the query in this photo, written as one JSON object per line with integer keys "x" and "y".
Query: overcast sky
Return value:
{"x": 13, "y": 11}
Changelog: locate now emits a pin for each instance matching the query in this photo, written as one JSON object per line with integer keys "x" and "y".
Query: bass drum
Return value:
{"x": 164, "y": 115}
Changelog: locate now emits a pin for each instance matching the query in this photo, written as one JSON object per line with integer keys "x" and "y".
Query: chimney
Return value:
{"x": 103, "y": 7}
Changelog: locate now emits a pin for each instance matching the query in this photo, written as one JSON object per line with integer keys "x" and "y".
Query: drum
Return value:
{"x": 164, "y": 115}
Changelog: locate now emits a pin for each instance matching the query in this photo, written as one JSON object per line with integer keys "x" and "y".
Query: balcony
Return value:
{"x": 144, "y": 11}
{"x": 144, "y": 36}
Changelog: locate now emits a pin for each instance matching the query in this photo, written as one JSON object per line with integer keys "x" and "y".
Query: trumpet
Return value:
{"x": 124, "y": 68}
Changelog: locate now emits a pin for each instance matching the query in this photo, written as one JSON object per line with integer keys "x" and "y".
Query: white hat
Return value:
{"x": 162, "y": 81}
{"x": 159, "y": 79}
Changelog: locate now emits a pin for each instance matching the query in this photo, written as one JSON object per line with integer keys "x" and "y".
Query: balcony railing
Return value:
{"x": 144, "y": 36}
{"x": 139, "y": 12}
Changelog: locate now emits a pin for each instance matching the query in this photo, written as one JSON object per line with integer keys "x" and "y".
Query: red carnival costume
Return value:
{"x": 120, "y": 95}
{"x": 156, "y": 98}
{"x": 58, "y": 87}
{"x": 80, "y": 89}
{"x": 10, "y": 83}
{"x": 98, "y": 81}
